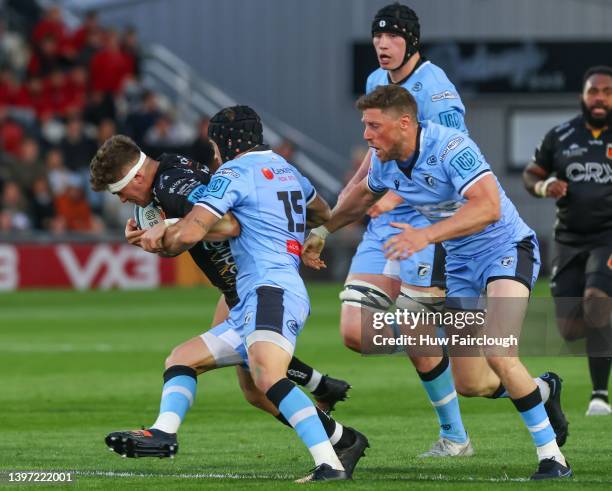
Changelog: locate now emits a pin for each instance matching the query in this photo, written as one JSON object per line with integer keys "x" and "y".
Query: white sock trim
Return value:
{"x": 445, "y": 400}
{"x": 181, "y": 390}
{"x": 335, "y": 438}
{"x": 168, "y": 422}
{"x": 551, "y": 451}
{"x": 301, "y": 415}
{"x": 544, "y": 388}
{"x": 314, "y": 381}
{"x": 323, "y": 453}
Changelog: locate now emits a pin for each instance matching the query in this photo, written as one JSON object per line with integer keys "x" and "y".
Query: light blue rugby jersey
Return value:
{"x": 437, "y": 100}
{"x": 434, "y": 179}
{"x": 268, "y": 196}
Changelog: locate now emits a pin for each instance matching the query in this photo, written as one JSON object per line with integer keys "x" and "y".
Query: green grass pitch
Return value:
{"x": 74, "y": 366}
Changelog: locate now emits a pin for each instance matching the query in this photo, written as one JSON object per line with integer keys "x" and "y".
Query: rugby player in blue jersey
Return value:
{"x": 269, "y": 198}
{"x": 374, "y": 282}
{"x": 442, "y": 173}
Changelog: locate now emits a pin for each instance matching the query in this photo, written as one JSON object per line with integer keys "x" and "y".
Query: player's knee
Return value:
{"x": 177, "y": 357}
{"x": 470, "y": 388}
{"x": 502, "y": 365}
{"x": 596, "y": 308}
{"x": 351, "y": 333}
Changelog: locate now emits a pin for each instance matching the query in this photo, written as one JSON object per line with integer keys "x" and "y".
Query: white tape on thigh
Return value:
{"x": 223, "y": 352}
{"x": 363, "y": 294}
{"x": 415, "y": 300}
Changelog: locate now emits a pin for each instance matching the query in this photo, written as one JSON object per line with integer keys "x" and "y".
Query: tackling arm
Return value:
{"x": 317, "y": 212}
{"x": 353, "y": 206}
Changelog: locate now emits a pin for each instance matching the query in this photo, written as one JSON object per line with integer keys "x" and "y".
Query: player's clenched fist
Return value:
{"x": 311, "y": 253}
{"x": 151, "y": 240}
{"x": 133, "y": 233}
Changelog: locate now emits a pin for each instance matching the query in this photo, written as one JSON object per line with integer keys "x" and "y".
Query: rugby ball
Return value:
{"x": 148, "y": 216}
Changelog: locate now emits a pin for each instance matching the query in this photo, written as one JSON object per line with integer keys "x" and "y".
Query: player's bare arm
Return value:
{"x": 385, "y": 204}
{"x": 481, "y": 209}
{"x": 353, "y": 207}
{"x": 539, "y": 183}
{"x": 358, "y": 177}
{"x": 317, "y": 212}
{"x": 181, "y": 236}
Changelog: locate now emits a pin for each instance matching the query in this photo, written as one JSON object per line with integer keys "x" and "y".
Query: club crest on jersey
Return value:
{"x": 292, "y": 326}
{"x": 507, "y": 261}
{"x": 431, "y": 160}
{"x": 267, "y": 173}
{"x": 609, "y": 151}
{"x": 417, "y": 87}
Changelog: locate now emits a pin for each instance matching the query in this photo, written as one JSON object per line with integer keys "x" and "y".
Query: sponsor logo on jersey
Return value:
{"x": 609, "y": 151}
{"x": 217, "y": 187}
{"x": 465, "y": 161}
{"x": 292, "y": 326}
{"x": 423, "y": 269}
{"x": 197, "y": 194}
{"x": 589, "y": 172}
{"x": 294, "y": 247}
{"x": 451, "y": 119}
{"x": 447, "y": 94}
{"x": 507, "y": 261}
{"x": 595, "y": 142}
{"x": 454, "y": 143}
{"x": 574, "y": 150}
{"x": 431, "y": 160}
{"x": 417, "y": 87}
{"x": 267, "y": 173}
{"x": 228, "y": 172}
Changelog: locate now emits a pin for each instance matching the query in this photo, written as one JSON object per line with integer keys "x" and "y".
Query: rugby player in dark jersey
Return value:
{"x": 573, "y": 165}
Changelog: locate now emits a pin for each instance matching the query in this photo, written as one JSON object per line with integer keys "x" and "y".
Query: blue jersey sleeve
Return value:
{"x": 375, "y": 182}
{"x": 466, "y": 165}
{"x": 445, "y": 108}
{"x": 309, "y": 190}
{"x": 227, "y": 188}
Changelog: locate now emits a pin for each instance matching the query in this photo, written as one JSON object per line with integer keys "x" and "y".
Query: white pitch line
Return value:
{"x": 212, "y": 475}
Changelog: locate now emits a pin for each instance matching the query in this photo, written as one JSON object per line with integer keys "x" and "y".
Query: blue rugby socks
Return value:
{"x": 178, "y": 395}
{"x": 301, "y": 414}
{"x": 440, "y": 388}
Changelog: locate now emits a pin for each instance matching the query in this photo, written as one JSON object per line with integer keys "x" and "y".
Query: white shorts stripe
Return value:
{"x": 180, "y": 390}
{"x": 302, "y": 414}
{"x": 445, "y": 400}
{"x": 231, "y": 337}
{"x": 270, "y": 337}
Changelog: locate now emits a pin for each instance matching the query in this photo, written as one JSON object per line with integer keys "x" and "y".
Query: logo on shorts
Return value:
{"x": 423, "y": 269}
{"x": 248, "y": 317}
{"x": 292, "y": 326}
{"x": 396, "y": 183}
{"x": 507, "y": 261}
